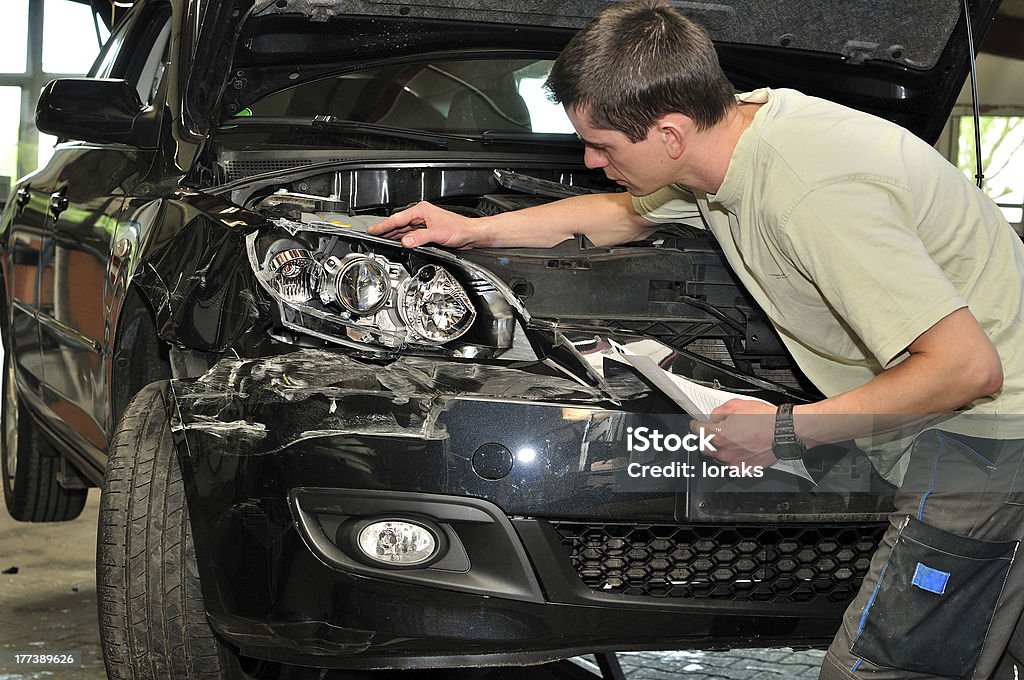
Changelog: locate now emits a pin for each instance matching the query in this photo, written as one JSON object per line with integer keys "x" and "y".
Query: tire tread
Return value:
{"x": 37, "y": 496}
{"x": 152, "y": 618}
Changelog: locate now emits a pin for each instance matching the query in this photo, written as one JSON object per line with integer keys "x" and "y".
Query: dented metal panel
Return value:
{"x": 193, "y": 271}
{"x": 249, "y": 407}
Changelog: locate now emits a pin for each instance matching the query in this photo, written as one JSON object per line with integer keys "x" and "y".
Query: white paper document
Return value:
{"x": 696, "y": 399}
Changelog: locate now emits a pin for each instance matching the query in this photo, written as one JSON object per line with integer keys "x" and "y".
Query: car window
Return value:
{"x": 137, "y": 51}
{"x": 545, "y": 115}
{"x": 104, "y": 63}
{"x": 464, "y": 96}
{"x": 152, "y": 69}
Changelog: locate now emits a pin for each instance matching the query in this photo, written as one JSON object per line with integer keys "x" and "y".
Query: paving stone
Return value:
{"x": 737, "y": 664}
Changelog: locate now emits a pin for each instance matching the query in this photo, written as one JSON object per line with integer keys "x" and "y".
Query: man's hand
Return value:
{"x": 743, "y": 432}
{"x": 426, "y": 223}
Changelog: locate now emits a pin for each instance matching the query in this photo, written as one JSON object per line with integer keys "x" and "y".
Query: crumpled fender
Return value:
{"x": 251, "y": 407}
{"x": 193, "y": 271}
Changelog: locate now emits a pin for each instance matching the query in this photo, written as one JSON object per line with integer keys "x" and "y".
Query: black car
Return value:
{"x": 319, "y": 449}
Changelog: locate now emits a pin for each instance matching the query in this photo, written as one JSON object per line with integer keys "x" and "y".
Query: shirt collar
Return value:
{"x": 730, "y": 193}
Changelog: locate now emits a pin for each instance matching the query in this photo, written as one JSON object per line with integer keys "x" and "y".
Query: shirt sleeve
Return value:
{"x": 856, "y": 241}
{"x": 669, "y": 204}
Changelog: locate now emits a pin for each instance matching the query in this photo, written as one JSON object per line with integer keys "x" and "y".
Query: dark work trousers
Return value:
{"x": 945, "y": 591}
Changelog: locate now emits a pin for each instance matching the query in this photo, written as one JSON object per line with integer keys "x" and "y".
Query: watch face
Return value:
{"x": 789, "y": 450}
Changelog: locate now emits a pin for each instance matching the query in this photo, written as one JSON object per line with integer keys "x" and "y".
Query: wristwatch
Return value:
{"x": 786, "y": 445}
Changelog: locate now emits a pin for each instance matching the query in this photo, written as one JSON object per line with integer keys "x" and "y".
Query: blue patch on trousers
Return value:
{"x": 932, "y": 580}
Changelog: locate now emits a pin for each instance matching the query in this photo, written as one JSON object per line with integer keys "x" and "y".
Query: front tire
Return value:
{"x": 152, "y": 619}
{"x": 30, "y": 465}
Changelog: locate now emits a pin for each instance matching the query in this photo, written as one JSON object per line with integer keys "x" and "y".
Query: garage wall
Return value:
{"x": 999, "y": 84}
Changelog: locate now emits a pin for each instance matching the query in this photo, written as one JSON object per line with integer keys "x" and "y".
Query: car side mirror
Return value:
{"x": 95, "y": 110}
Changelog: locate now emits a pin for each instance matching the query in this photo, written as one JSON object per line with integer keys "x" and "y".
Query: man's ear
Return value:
{"x": 674, "y": 130}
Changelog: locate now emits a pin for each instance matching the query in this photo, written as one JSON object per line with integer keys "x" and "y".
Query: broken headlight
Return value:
{"x": 295, "y": 274}
{"x": 358, "y": 283}
{"x": 338, "y": 285}
{"x": 434, "y": 305}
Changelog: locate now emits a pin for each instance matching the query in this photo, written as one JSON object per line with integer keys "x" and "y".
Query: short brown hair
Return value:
{"x": 636, "y": 62}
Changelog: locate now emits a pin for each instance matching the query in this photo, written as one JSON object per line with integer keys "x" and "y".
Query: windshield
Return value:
{"x": 459, "y": 97}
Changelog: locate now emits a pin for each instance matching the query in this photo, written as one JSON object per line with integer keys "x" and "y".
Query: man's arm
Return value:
{"x": 949, "y": 365}
{"x": 606, "y": 219}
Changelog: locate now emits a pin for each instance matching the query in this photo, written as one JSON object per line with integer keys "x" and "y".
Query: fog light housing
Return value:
{"x": 396, "y": 542}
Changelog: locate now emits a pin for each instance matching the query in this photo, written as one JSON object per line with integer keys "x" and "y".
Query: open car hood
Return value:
{"x": 905, "y": 61}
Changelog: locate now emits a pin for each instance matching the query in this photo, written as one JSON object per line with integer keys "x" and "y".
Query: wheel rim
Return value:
{"x": 10, "y": 424}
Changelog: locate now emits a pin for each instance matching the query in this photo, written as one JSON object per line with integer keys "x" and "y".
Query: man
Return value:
{"x": 896, "y": 285}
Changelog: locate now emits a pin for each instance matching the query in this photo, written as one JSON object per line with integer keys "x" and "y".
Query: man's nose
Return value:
{"x": 594, "y": 159}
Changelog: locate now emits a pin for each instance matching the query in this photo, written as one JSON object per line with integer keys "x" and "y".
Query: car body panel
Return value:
{"x": 26, "y": 241}
{"x": 192, "y": 271}
{"x": 76, "y": 335}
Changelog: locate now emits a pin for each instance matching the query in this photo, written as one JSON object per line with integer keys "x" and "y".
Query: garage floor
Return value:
{"x": 48, "y": 605}
{"x": 48, "y": 594}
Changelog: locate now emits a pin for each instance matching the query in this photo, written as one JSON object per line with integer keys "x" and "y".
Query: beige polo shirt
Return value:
{"x": 855, "y": 237}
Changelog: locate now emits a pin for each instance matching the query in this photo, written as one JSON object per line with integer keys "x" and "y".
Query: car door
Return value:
{"x": 84, "y": 209}
{"x": 28, "y": 244}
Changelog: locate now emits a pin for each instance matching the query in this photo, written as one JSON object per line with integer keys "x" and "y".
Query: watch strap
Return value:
{"x": 786, "y": 445}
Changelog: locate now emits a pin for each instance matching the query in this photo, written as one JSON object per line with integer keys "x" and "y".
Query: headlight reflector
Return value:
{"x": 296, "y": 275}
{"x": 435, "y": 306}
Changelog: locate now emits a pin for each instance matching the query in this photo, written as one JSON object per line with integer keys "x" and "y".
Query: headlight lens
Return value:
{"x": 361, "y": 284}
{"x": 435, "y": 306}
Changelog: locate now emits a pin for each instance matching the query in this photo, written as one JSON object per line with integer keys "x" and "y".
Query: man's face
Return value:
{"x": 641, "y": 167}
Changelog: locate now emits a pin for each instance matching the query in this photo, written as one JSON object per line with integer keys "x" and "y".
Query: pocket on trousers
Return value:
{"x": 934, "y": 601}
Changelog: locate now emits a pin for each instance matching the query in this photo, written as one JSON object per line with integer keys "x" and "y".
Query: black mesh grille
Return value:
{"x": 237, "y": 169}
{"x": 800, "y": 564}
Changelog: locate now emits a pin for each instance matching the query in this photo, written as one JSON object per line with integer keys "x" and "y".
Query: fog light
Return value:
{"x": 397, "y": 542}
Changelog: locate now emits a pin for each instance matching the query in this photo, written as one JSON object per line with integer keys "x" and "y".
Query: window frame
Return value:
{"x": 953, "y": 149}
{"x": 31, "y": 82}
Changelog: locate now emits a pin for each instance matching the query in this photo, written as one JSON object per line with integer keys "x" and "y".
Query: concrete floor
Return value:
{"x": 48, "y": 606}
{"x": 48, "y": 594}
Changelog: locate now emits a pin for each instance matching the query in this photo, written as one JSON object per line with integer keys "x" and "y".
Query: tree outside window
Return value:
{"x": 1002, "y": 149}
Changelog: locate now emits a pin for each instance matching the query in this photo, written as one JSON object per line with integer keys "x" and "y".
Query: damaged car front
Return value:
{"x": 374, "y": 457}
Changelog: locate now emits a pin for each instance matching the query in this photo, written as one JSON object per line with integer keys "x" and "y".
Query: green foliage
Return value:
{"x": 1002, "y": 138}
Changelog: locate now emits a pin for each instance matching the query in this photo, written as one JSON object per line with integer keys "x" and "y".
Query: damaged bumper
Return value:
{"x": 551, "y": 547}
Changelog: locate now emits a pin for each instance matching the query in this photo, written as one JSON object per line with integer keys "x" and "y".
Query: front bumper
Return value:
{"x": 556, "y": 550}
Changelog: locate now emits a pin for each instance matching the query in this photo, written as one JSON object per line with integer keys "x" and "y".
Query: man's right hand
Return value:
{"x": 426, "y": 223}
{"x": 606, "y": 219}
